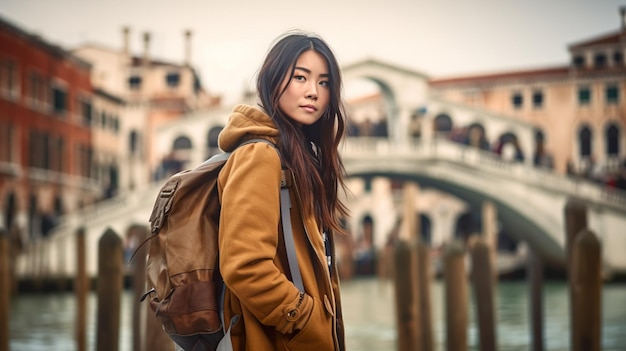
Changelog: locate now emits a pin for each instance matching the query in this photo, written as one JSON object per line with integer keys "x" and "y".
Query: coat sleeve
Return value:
{"x": 249, "y": 188}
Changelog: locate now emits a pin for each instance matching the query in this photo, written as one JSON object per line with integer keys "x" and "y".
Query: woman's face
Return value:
{"x": 308, "y": 93}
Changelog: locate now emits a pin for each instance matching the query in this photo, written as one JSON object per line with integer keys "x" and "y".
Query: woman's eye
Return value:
{"x": 298, "y": 77}
{"x": 324, "y": 83}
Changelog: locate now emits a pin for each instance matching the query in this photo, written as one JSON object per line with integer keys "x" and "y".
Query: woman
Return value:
{"x": 300, "y": 111}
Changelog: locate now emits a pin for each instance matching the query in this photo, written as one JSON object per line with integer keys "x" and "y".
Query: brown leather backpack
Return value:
{"x": 182, "y": 267}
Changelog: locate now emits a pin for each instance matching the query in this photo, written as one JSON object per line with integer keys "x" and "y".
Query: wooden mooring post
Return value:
{"x": 424, "y": 285}
{"x": 81, "y": 289}
{"x": 484, "y": 281}
{"x": 110, "y": 284}
{"x": 408, "y": 303}
{"x": 407, "y": 296}
{"x": 575, "y": 221}
{"x": 138, "y": 270}
{"x": 535, "y": 285}
{"x": 5, "y": 289}
{"x": 587, "y": 292}
{"x": 455, "y": 281}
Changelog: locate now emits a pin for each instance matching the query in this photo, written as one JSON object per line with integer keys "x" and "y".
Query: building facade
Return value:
{"x": 578, "y": 109}
{"x": 46, "y": 143}
{"x": 77, "y": 127}
{"x": 154, "y": 92}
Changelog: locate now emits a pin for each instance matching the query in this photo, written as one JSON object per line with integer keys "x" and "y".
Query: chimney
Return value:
{"x": 146, "y": 48}
{"x": 125, "y": 42}
{"x": 187, "y": 48}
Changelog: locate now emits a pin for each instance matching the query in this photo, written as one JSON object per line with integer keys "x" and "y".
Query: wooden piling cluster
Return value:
{"x": 147, "y": 333}
{"x": 411, "y": 272}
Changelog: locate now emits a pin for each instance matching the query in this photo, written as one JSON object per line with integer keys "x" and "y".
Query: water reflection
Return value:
{"x": 46, "y": 322}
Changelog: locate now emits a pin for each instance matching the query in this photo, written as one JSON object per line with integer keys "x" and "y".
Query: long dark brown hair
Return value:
{"x": 318, "y": 185}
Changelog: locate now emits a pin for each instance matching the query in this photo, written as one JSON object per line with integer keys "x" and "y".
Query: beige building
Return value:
{"x": 137, "y": 94}
{"x": 579, "y": 109}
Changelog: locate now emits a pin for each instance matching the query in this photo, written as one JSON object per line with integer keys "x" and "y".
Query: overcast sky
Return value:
{"x": 439, "y": 38}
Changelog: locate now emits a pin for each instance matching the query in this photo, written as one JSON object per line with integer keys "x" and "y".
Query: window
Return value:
{"x": 102, "y": 121}
{"x": 86, "y": 112}
{"x": 134, "y": 82}
{"x": 213, "y": 137}
{"x": 105, "y": 120}
{"x": 599, "y": 61}
{"x": 443, "y": 123}
{"x": 36, "y": 149}
{"x": 584, "y": 96}
{"x": 518, "y": 100}
{"x": 116, "y": 124}
{"x": 59, "y": 101}
{"x": 6, "y": 141}
{"x": 612, "y": 94}
{"x": 612, "y": 140}
{"x": 584, "y": 140}
{"x": 579, "y": 61}
{"x": 618, "y": 58}
{"x": 182, "y": 143}
{"x": 172, "y": 79}
{"x": 57, "y": 148}
{"x": 133, "y": 142}
{"x": 36, "y": 90}
{"x": 538, "y": 99}
{"x": 9, "y": 78}
{"x": 83, "y": 160}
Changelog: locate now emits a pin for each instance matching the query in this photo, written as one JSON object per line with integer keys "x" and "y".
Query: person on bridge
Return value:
{"x": 299, "y": 110}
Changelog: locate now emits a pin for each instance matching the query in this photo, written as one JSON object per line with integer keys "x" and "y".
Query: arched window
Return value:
{"x": 477, "y": 137}
{"x": 443, "y": 123}
{"x": 182, "y": 143}
{"x": 612, "y": 140}
{"x": 584, "y": 140}
{"x": 213, "y": 136}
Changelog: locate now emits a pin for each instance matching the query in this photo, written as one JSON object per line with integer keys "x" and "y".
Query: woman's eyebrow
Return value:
{"x": 309, "y": 71}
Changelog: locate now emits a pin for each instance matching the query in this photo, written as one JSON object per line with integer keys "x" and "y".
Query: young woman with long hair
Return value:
{"x": 300, "y": 111}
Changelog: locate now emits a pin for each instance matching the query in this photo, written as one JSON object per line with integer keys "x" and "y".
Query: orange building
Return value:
{"x": 579, "y": 109}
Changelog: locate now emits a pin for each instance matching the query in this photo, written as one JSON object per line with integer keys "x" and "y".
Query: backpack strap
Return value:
{"x": 290, "y": 246}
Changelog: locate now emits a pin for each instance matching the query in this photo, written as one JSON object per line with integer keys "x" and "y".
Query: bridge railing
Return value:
{"x": 487, "y": 161}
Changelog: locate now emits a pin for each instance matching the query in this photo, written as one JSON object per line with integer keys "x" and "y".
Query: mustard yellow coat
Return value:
{"x": 253, "y": 263}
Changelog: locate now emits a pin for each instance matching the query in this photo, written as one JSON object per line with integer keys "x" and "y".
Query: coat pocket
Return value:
{"x": 317, "y": 334}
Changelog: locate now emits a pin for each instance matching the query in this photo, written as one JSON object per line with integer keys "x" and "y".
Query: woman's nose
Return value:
{"x": 311, "y": 92}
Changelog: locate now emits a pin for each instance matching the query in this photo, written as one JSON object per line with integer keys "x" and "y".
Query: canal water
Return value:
{"x": 46, "y": 322}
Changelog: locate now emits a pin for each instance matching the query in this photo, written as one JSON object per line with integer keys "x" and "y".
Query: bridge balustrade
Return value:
{"x": 441, "y": 149}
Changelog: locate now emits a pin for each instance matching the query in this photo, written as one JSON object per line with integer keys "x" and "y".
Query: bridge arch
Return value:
{"x": 524, "y": 227}
{"x": 409, "y": 103}
{"x": 404, "y": 91}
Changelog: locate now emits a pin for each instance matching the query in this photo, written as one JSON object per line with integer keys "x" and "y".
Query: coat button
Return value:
{"x": 293, "y": 314}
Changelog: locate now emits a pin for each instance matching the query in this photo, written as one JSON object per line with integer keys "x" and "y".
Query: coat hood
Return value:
{"x": 247, "y": 122}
